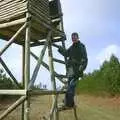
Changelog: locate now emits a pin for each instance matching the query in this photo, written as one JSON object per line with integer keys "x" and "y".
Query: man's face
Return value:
{"x": 74, "y": 38}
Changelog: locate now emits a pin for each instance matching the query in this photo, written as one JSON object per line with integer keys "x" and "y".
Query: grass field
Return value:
{"x": 88, "y": 108}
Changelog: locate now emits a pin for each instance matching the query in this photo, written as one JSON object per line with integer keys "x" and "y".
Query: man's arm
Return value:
{"x": 84, "y": 60}
{"x": 63, "y": 51}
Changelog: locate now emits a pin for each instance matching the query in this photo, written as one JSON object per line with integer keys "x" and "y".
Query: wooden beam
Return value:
{"x": 59, "y": 61}
{"x": 27, "y": 65}
{"x": 45, "y": 92}
{"x": 55, "y": 45}
{"x": 47, "y": 67}
{"x": 13, "y": 23}
{"x": 13, "y": 92}
{"x": 35, "y": 72}
{"x": 12, "y": 107}
{"x": 37, "y": 43}
{"x": 61, "y": 76}
{"x": 13, "y": 39}
{"x": 23, "y": 79}
{"x": 9, "y": 72}
{"x": 53, "y": 81}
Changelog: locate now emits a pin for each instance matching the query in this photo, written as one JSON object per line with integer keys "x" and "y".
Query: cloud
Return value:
{"x": 106, "y": 53}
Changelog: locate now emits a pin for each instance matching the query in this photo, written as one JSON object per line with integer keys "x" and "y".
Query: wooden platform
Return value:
{"x": 15, "y": 10}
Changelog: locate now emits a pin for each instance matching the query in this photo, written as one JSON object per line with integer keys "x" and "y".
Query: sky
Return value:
{"x": 98, "y": 25}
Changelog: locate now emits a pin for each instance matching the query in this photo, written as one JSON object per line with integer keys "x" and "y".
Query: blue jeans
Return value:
{"x": 70, "y": 93}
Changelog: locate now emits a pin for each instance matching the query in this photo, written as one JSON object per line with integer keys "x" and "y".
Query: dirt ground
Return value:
{"x": 88, "y": 108}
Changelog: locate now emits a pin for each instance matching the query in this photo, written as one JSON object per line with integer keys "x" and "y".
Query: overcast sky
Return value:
{"x": 98, "y": 24}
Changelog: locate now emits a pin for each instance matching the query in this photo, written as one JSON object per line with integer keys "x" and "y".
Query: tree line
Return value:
{"x": 105, "y": 80}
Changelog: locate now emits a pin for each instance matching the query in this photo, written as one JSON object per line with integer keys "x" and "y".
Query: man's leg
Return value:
{"x": 70, "y": 93}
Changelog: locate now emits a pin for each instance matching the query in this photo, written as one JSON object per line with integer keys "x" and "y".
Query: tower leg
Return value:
{"x": 23, "y": 77}
{"x": 27, "y": 68}
{"x": 55, "y": 112}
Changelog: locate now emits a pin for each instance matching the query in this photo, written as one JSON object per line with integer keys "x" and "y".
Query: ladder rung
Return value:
{"x": 57, "y": 46}
{"x": 66, "y": 108}
{"x": 46, "y": 92}
{"x": 61, "y": 76}
{"x": 59, "y": 61}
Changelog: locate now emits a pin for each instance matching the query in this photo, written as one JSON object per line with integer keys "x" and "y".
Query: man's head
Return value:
{"x": 75, "y": 37}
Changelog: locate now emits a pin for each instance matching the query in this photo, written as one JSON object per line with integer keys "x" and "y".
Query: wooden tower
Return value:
{"x": 31, "y": 23}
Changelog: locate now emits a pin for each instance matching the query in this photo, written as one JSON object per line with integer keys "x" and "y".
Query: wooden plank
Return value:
{"x": 12, "y": 16}
{"x": 15, "y": 6}
{"x": 12, "y": 9}
{"x": 39, "y": 11}
{"x": 11, "y": 4}
{"x": 42, "y": 2}
{"x": 6, "y": 2}
{"x": 45, "y": 25}
{"x": 40, "y": 16}
{"x": 40, "y": 6}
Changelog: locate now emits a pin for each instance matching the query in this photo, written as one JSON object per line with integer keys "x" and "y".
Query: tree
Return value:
{"x": 5, "y": 82}
{"x": 106, "y": 79}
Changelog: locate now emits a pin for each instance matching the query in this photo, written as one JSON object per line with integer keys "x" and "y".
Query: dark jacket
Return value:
{"x": 77, "y": 56}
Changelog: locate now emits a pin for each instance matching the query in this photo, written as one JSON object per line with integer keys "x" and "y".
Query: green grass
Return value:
{"x": 88, "y": 108}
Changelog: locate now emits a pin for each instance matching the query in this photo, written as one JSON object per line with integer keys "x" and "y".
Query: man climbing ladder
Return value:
{"x": 76, "y": 63}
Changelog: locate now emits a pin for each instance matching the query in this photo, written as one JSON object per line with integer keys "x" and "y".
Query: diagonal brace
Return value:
{"x": 12, "y": 107}
{"x": 47, "y": 67}
{"x": 12, "y": 39}
{"x": 10, "y": 74}
{"x": 39, "y": 63}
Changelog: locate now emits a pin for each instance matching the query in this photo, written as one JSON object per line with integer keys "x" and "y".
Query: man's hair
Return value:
{"x": 76, "y": 34}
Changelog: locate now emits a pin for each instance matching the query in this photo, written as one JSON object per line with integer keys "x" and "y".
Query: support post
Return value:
{"x": 51, "y": 68}
{"x": 23, "y": 78}
{"x": 27, "y": 66}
